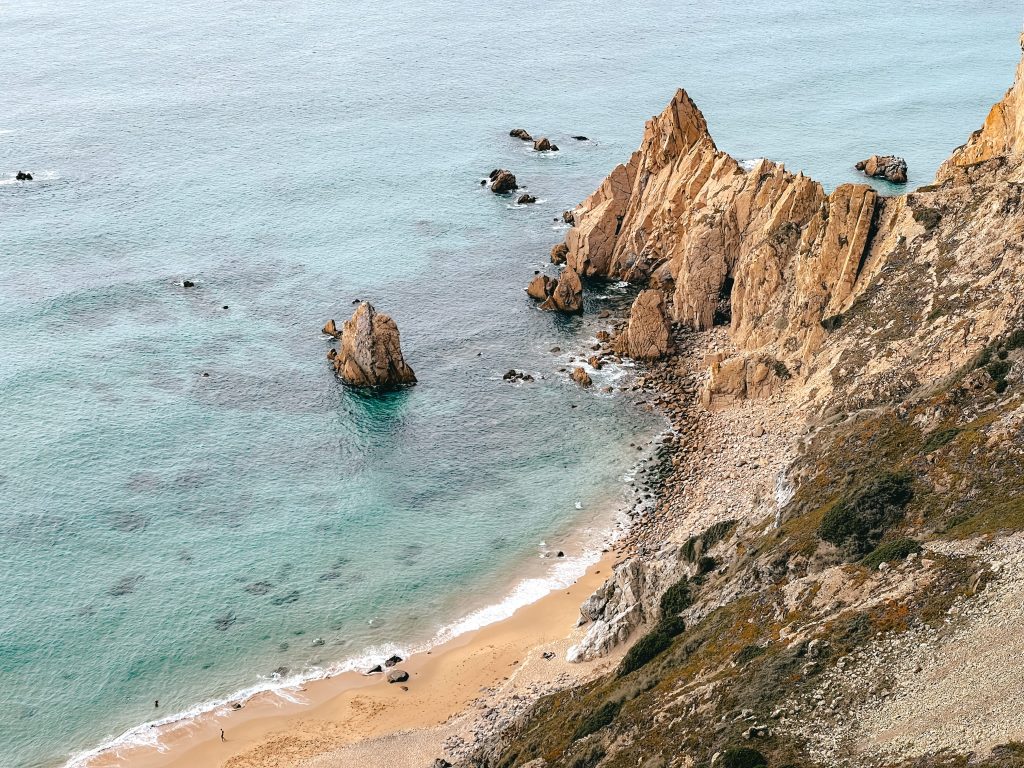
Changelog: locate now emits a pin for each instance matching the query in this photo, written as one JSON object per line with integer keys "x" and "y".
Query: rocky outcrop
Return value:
{"x": 648, "y": 333}
{"x": 1001, "y": 136}
{"x": 370, "y": 353}
{"x": 540, "y": 287}
{"x": 520, "y": 133}
{"x": 740, "y": 378}
{"x": 23, "y": 176}
{"x": 544, "y": 145}
{"x": 888, "y": 167}
{"x": 526, "y": 199}
{"x": 562, "y": 295}
{"x": 558, "y": 253}
{"x": 502, "y": 181}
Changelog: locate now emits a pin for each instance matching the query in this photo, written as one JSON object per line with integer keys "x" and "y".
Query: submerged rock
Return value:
{"x": 502, "y": 181}
{"x": 580, "y": 138}
{"x": 371, "y": 353}
{"x": 888, "y": 167}
{"x": 520, "y": 133}
{"x": 23, "y": 176}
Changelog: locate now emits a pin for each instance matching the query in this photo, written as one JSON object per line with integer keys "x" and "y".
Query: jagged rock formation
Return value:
{"x": 888, "y": 167}
{"x": 780, "y": 262}
{"x": 558, "y": 253}
{"x": 370, "y": 354}
{"x": 648, "y": 333}
{"x": 581, "y": 377}
{"x": 561, "y": 294}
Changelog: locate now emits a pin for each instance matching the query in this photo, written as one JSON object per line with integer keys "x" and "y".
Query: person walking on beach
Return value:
{"x": 222, "y": 735}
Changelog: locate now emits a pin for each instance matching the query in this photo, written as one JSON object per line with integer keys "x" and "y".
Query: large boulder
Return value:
{"x": 370, "y": 354}
{"x": 741, "y": 378}
{"x": 544, "y": 145}
{"x": 566, "y": 293}
{"x": 541, "y": 287}
{"x": 888, "y": 167}
{"x": 648, "y": 334}
{"x": 502, "y": 181}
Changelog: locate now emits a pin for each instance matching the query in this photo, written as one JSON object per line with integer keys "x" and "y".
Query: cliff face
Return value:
{"x": 843, "y": 513}
{"x": 778, "y": 260}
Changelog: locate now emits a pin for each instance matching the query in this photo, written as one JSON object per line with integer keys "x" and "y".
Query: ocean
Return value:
{"x": 170, "y": 535}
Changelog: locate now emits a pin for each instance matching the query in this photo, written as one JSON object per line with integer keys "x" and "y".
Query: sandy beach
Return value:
{"x": 359, "y": 720}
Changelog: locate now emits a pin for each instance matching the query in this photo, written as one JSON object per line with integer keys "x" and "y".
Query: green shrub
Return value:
{"x": 1001, "y": 385}
{"x": 651, "y": 645}
{"x": 676, "y": 599}
{"x": 597, "y": 719}
{"x": 742, "y": 757}
{"x": 589, "y": 758}
{"x": 749, "y": 652}
{"x": 891, "y": 551}
{"x": 858, "y": 522}
{"x": 938, "y": 439}
{"x": 998, "y": 369}
{"x": 706, "y": 565}
{"x": 1015, "y": 340}
{"x": 929, "y": 218}
{"x": 781, "y": 370}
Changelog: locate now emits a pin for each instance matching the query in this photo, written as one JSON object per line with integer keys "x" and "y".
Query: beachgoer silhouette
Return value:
{"x": 156, "y": 703}
{"x": 222, "y": 735}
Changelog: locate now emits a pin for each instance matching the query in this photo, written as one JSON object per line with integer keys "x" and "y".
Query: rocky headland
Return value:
{"x": 840, "y": 501}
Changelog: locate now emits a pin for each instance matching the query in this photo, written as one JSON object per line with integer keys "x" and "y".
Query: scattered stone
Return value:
{"x": 580, "y": 376}
{"x": 888, "y": 167}
{"x": 502, "y": 181}
{"x": 397, "y": 676}
{"x": 514, "y": 375}
{"x": 392, "y": 660}
{"x": 374, "y": 670}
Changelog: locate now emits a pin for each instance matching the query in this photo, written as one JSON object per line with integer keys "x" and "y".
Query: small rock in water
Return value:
{"x": 560, "y": 554}
{"x": 318, "y": 642}
{"x": 580, "y": 138}
{"x": 187, "y": 284}
{"x": 23, "y": 176}
{"x": 548, "y": 655}
{"x": 526, "y": 199}
{"x": 520, "y": 133}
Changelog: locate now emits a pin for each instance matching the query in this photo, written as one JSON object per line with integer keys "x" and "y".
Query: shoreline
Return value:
{"x": 191, "y": 737}
{"x": 341, "y": 711}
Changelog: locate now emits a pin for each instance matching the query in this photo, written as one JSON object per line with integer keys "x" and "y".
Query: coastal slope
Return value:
{"x": 831, "y": 574}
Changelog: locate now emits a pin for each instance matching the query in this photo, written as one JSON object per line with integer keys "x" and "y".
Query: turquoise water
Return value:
{"x": 165, "y": 535}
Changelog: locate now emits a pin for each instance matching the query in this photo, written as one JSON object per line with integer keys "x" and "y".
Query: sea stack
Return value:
{"x": 888, "y": 167}
{"x": 370, "y": 354}
{"x": 648, "y": 334}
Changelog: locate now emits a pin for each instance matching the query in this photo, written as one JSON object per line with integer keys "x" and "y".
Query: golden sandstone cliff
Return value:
{"x": 783, "y": 263}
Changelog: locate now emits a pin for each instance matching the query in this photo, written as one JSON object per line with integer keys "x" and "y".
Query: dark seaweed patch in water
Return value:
{"x": 125, "y": 586}
{"x": 258, "y": 587}
{"x": 223, "y": 622}
{"x": 290, "y": 597}
{"x": 128, "y": 521}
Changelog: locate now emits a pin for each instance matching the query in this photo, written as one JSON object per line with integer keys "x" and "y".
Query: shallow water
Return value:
{"x": 165, "y": 535}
